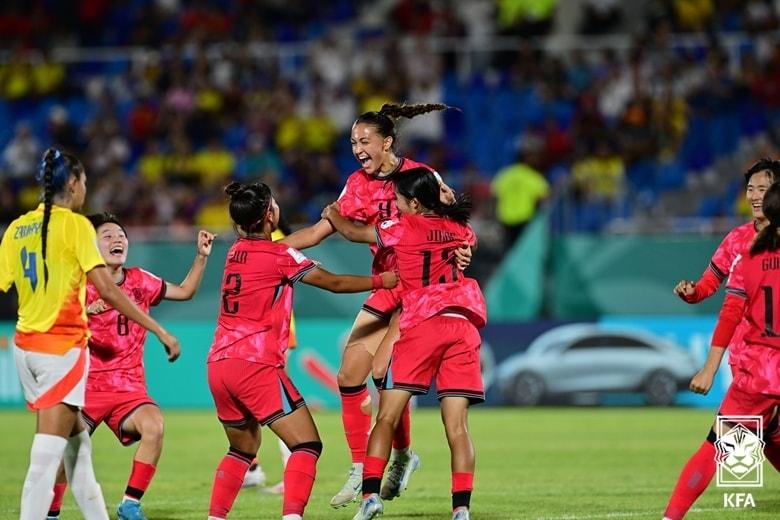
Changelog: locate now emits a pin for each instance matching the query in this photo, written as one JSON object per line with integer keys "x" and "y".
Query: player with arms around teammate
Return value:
{"x": 441, "y": 312}
{"x": 368, "y": 198}
{"x": 752, "y": 293}
{"x": 758, "y": 178}
{"x": 246, "y": 362}
{"x": 116, "y": 387}
{"x": 48, "y": 254}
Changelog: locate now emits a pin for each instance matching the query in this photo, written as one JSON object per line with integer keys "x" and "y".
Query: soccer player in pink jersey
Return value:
{"x": 116, "y": 391}
{"x": 368, "y": 198}
{"x": 751, "y": 297}
{"x": 442, "y": 311}
{"x": 246, "y": 361}
{"x": 758, "y": 178}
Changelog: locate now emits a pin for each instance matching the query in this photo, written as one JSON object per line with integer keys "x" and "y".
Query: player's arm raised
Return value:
{"x": 350, "y": 230}
{"x": 309, "y": 236}
{"x": 347, "y": 283}
{"x": 116, "y": 298}
{"x": 189, "y": 286}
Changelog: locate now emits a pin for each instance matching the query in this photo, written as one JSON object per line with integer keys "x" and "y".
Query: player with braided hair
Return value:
{"x": 368, "y": 198}
{"x": 48, "y": 254}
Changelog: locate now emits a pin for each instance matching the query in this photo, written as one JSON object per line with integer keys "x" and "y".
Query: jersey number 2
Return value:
{"x": 228, "y": 305}
{"x": 30, "y": 267}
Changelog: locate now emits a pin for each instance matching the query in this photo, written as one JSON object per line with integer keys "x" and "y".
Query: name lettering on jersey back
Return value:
{"x": 770, "y": 264}
{"x": 238, "y": 257}
{"x": 437, "y": 235}
{"x": 25, "y": 231}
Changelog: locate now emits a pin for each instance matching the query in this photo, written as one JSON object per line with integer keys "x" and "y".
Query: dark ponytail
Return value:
{"x": 53, "y": 173}
{"x": 384, "y": 120}
{"x": 768, "y": 239}
{"x": 48, "y": 195}
{"x": 249, "y": 204}
{"x": 422, "y": 184}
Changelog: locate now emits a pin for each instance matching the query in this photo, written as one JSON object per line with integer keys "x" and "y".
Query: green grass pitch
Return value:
{"x": 552, "y": 464}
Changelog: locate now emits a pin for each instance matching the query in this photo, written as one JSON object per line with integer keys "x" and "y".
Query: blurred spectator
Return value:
{"x": 599, "y": 176}
{"x": 21, "y": 154}
{"x": 519, "y": 189}
{"x": 600, "y": 16}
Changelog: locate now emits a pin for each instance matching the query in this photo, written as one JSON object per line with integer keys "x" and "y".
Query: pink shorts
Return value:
{"x": 445, "y": 347}
{"x": 382, "y": 303}
{"x": 113, "y": 408}
{"x": 244, "y": 391}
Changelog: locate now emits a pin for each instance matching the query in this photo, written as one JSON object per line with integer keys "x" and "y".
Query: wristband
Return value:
{"x": 376, "y": 282}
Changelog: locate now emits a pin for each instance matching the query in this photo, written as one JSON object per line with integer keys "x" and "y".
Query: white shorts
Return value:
{"x": 49, "y": 379}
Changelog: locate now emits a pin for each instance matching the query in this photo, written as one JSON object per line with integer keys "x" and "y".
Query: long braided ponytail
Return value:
{"x": 384, "y": 120}
{"x": 48, "y": 195}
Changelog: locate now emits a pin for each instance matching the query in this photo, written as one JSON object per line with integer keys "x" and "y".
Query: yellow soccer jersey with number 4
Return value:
{"x": 52, "y": 317}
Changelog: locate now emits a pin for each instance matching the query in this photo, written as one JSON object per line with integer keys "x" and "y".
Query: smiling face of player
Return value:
{"x": 757, "y": 185}
{"x": 113, "y": 244}
{"x": 372, "y": 151}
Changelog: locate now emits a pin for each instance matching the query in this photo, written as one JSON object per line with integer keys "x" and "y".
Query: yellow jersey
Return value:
{"x": 52, "y": 318}
{"x": 292, "y": 341}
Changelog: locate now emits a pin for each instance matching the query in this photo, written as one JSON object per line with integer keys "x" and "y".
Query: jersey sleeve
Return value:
{"x": 154, "y": 287}
{"x": 293, "y": 265}
{"x": 85, "y": 244}
{"x": 471, "y": 236}
{"x": 350, "y": 204}
{"x": 6, "y": 262}
{"x": 389, "y": 232}
{"x": 723, "y": 259}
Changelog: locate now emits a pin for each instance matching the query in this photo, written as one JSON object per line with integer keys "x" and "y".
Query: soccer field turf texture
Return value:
{"x": 553, "y": 463}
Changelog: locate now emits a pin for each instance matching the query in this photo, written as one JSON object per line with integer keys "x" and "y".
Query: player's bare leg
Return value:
{"x": 403, "y": 461}
{"x": 454, "y": 415}
{"x": 147, "y": 422}
{"x": 356, "y": 363}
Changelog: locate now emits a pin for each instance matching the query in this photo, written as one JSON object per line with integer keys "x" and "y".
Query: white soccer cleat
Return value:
{"x": 351, "y": 489}
{"x": 370, "y": 507}
{"x": 461, "y": 513}
{"x": 254, "y": 477}
{"x": 397, "y": 480}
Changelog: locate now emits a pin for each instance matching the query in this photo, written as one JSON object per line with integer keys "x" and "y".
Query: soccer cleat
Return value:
{"x": 462, "y": 513}
{"x": 254, "y": 477}
{"x": 401, "y": 468}
{"x": 351, "y": 489}
{"x": 130, "y": 510}
{"x": 52, "y": 518}
{"x": 370, "y": 507}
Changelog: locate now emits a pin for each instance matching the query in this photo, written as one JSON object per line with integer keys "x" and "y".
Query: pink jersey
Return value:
{"x": 257, "y": 298}
{"x": 757, "y": 279}
{"x": 369, "y": 200}
{"x": 430, "y": 280}
{"x": 116, "y": 344}
{"x": 726, "y": 256}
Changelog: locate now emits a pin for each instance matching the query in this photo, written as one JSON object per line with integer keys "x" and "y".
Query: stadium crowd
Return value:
{"x": 214, "y": 91}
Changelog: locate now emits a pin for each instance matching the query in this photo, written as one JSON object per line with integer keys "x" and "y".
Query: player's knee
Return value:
{"x": 387, "y": 419}
{"x": 311, "y": 447}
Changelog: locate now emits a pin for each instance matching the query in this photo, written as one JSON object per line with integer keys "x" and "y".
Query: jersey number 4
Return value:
{"x": 30, "y": 267}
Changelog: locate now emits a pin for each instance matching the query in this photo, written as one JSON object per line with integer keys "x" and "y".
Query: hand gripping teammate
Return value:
{"x": 48, "y": 254}
{"x": 442, "y": 311}
{"x": 368, "y": 198}
{"x": 246, "y": 361}
{"x": 116, "y": 386}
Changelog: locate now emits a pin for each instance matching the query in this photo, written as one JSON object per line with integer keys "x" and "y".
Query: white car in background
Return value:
{"x": 588, "y": 359}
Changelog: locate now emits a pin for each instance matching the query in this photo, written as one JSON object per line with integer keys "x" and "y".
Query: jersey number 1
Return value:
{"x": 426, "y": 268}
{"x": 769, "y": 320}
{"x": 30, "y": 267}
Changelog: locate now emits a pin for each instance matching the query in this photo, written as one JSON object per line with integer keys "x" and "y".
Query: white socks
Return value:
{"x": 285, "y": 451}
{"x": 81, "y": 476}
{"x": 37, "y": 493}
{"x": 292, "y": 517}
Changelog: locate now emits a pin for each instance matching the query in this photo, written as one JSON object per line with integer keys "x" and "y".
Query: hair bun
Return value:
{"x": 234, "y": 188}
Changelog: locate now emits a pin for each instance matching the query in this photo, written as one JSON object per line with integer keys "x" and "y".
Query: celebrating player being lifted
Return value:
{"x": 442, "y": 311}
